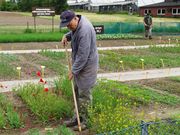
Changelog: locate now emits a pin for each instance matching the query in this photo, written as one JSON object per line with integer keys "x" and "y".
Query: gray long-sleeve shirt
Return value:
{"x": 84, "y": 54}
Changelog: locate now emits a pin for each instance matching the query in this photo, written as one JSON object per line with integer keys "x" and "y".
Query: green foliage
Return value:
{"x": 31, "y": 37}
{"x": 162, "y": 128}
{"x": 13, "y": 117}
{"x": 64, "y": 86}
{"x": 110, "y": 110}
{"x": 63, "y": 130}
{"x": 2, "y": 119}
{"x": 6, "y": 67}
{"x": 46, "y": 105}
{"x": 33, "y": 131}
{"x": 8, "y": 6}
{"x": 109, "y": 60}
{"x": 57, "y": 61}
{"x": 117, "y": 36}
{"x": 60, "y": 130}
{"x": 26, "y": 5}
{"x": 27, "y": 30}
{"x": 53, "y": 55}
{"x": 113, "y": 107}
{"x": 8, "y": 115}
{"x": 176, "y": 79}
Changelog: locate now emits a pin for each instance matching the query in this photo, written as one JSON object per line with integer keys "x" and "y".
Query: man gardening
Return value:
{"x": 148, "y": 25}
{"x": 84, "y": 61}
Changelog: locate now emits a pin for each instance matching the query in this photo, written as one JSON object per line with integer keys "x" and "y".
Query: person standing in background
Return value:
{"x": 148, "y": 25}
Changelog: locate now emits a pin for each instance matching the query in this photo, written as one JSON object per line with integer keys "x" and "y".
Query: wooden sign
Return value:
{"x": 43, "y": 11}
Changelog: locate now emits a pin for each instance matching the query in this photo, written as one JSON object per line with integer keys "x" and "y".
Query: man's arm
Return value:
{"x": 66, "y": 38}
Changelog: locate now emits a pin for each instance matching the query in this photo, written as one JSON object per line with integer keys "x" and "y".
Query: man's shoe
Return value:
{"x": 76, "y": 128}
{"x": 72, "y": 122}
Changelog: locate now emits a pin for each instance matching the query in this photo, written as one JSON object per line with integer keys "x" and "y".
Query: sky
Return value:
{"x": 147, "y": 2}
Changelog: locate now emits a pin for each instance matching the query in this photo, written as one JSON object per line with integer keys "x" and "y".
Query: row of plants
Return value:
{"x": 44, "y": 103}
{"x": 153, "y": 57}
{"x": 114, "y": 104}
{"x": 113, "y": 107}
{"x": 56, "y": 63}
{"x": 9, "y": 118}
{"x": 166, "y": 85}
{"x": 54, "y": 36}
{"x": 118, "y": 36}
{"x": 121, "y": 60}
{"x": 110, "y": 60}
{"x": 113, "y": 60}
{"x": 6, "y": 68}
{"x": 31, "y": 37}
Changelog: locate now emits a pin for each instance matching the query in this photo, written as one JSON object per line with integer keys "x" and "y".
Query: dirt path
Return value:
{"x": 100, "y": 43}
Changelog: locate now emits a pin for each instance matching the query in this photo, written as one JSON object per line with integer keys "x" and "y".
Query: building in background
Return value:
{"x": 78, "y": 4}
{"x": 168, "y": 8}
{"x": 103, "y": 5}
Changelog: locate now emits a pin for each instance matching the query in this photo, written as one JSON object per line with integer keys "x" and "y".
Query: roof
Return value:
{"x": 99, "y": 2}
{"x": 111, "y": 4}
{"x": 163, "y": 4}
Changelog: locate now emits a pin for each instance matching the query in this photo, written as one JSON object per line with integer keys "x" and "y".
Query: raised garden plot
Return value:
{"x": 116, "y": 104}
{"x": 110, "y": 61}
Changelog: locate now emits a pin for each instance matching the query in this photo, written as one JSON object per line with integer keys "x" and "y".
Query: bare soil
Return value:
{"x": 100, "y": 43}
{"x": 16, "y": 19}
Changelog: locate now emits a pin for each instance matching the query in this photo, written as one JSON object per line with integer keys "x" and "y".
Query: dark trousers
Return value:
{"x": 84, "y": 99}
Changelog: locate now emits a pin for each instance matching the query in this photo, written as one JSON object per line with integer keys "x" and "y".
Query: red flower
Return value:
{"x": 46, "y": 89}
{"x": 41, "y": 80}
{"x": 38, "y": 73}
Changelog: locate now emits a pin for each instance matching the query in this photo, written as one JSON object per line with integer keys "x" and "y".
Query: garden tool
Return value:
{"x": 74, "y": 95}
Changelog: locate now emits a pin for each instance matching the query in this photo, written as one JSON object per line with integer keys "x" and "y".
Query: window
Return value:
{"x": 176, "y": 11}
{"x": 147, "y": 11}
{"x": 161, "y": 12}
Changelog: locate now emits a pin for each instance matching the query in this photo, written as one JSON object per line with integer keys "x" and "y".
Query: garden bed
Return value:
{"x": 110, "y": 61}
{"x": 117, "y": 104}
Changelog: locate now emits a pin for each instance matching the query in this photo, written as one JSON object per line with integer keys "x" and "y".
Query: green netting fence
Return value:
{"x": 109, "y": 28}
{"x": 122, "y": 27}
{"x": 164, "y": 127}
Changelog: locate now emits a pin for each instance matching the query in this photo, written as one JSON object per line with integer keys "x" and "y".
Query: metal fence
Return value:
{"x": 121, "y": 27}
{"x": 165, "y": 127}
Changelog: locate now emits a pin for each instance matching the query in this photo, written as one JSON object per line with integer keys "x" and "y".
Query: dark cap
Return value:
{"x": 66, "y": 17}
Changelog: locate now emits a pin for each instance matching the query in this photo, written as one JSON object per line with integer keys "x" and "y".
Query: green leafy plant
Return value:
{"x": 2, "y": 119}
{"x": 13, "y": 117}
{"x": 45, "y": 104}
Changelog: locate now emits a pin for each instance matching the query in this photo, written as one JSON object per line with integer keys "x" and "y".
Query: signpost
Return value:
{"x": 99, "y": 29}
{"x": 36, "y": 11}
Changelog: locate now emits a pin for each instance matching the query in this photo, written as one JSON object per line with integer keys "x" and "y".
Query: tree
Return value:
{"x": 59, "y": 5}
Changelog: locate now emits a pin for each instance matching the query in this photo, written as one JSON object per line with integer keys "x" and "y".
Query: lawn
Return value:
{"x": 94, "y": 17}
